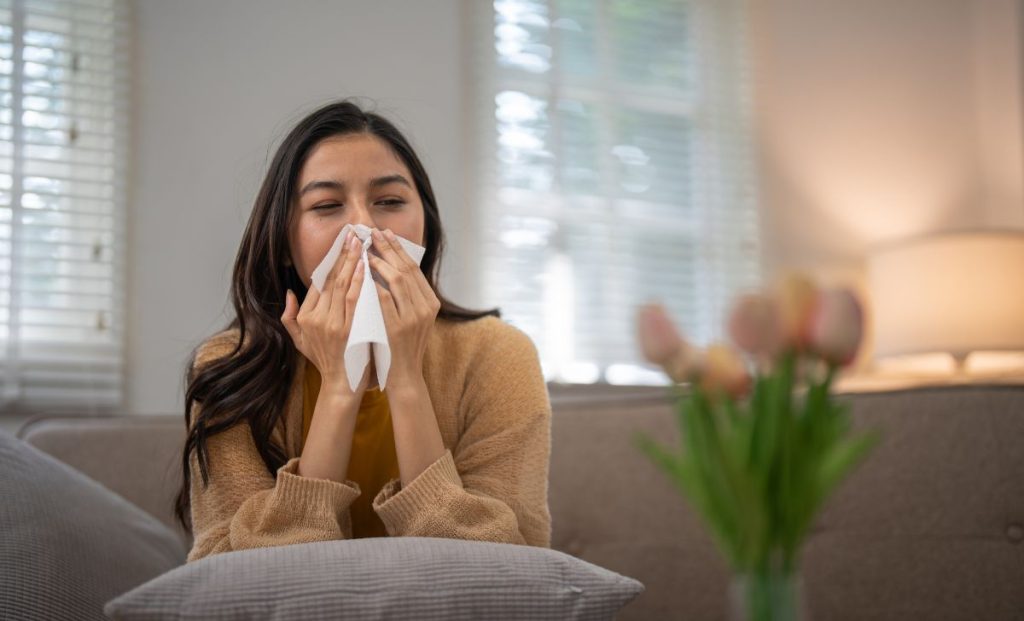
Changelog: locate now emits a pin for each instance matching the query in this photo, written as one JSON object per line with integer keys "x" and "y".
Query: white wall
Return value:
{"x": 879, "y": 120}
{"x": 876, "y": 119}
{"x": 217, "y": 85}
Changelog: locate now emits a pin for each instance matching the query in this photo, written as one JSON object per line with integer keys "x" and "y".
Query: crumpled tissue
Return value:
{"x": 368, "y": 327}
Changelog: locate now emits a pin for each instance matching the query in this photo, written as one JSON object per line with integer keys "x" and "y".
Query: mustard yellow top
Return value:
{"x": 373, "y": 461}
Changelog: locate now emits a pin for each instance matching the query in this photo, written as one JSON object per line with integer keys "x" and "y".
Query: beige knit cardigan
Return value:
{"x": 492, "y": 407}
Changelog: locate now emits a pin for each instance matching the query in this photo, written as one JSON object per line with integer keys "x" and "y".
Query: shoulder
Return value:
{"x": 498, "y": 368}
{"x": 485, "y": 337}
{"x": 487, "y": 352}
{"x": 215, "y": 347}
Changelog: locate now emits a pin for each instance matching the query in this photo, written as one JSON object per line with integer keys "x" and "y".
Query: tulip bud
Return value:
{"x": 722, "y": 368}
{"x": 658, "y": 337}
{"x": 755, "y": 325}
{"x": 837, "y": 326}
{"x": 685, "y": 365}
{"x": 796, "y": 295}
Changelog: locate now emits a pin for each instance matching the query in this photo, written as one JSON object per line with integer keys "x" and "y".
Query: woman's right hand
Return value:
{"x": 320, "y": 328}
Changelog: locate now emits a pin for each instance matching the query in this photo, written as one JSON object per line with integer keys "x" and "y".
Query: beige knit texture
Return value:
{"x": 492, "y": 407}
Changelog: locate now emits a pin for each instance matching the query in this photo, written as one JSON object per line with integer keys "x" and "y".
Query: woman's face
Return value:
{"x": 350, "y": 179}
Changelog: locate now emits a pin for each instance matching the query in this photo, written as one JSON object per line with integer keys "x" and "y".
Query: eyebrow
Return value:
{"x": 332, "y": 184}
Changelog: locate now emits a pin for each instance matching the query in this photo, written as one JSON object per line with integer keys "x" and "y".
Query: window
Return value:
{"x": 614, "y": 169}
{"x": 63, "y": 120}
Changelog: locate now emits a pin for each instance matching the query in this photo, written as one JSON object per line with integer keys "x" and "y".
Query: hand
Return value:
{"x": 320, "y": 329}
{"x": 409, "y": 309}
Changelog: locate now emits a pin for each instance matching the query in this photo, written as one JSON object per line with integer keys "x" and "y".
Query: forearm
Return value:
{"x": 328, "y": 445}
{"x": 243, "y": 505}
{"x": 418, "y": 442}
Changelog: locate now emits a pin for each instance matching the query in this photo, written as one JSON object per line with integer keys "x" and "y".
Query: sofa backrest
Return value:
{"x": 930, "y": 526}
{"x": 138, "y": 457}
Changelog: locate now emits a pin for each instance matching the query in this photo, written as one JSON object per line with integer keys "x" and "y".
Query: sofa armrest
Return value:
{"x": 136, "y": 456}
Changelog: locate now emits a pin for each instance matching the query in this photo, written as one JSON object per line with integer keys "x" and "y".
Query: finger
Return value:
{"x": 387, "y": 306}
{"x": 329, "y": 280}
{"x": 389, "y": 241}
{"x": 404, "y": 297}
{"x": 341, "y": 284}
{"x": 352, "y": 295}
{"x": 391, "y": 251}
{"x": 402, "y": 266}
{"x": 310, "y": 301}
{"x": 288, "y": 317}
{"x": 419, "y": 281}
{"x": 351, "y": 245}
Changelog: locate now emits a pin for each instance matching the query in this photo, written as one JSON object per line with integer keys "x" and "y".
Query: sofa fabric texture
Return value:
{"x": 67, "y": 543}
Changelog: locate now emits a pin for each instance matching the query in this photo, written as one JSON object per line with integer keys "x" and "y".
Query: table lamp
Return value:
{"x": 953, "y": 293}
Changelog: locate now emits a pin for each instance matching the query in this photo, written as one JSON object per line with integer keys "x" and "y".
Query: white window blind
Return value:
{"x": 613, "y": 144}
{"x": 63, "y": 120}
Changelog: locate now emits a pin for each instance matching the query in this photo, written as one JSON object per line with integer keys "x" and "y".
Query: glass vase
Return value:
{"x": 767, "y": 596}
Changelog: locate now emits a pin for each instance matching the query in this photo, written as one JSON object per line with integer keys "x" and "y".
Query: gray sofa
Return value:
{"x": 930, "y": 527}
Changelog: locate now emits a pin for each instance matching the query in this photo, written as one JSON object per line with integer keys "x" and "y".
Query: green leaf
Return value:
{"x": 757, "y": 410}
{"x": 838, "y": 461}
{"x": 756, "y": 472}
{"x": 656, "y": 452}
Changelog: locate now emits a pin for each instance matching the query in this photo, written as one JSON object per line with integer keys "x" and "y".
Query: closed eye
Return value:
{"x": 391, "y": 202}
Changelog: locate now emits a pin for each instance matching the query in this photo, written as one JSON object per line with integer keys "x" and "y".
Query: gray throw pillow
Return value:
{"x": 68, "y": 544}
{"x": 423, "y": 578}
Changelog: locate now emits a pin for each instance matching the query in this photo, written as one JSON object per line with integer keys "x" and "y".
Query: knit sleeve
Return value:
{"x": 493, "y": 485}
{"x": 245, "y": 506}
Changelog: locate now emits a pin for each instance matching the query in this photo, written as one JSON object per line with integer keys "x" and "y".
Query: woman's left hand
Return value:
{"x": 409, "y": 309}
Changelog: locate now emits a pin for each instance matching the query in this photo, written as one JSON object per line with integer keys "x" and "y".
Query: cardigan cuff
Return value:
{"x": 398, "y": 506}
{"x": 300, "y": 491}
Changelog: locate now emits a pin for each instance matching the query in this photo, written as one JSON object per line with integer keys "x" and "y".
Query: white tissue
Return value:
{"x": 368, "y": 320}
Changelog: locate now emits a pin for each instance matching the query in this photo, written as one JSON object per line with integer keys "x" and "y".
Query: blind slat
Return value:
{"x": 63, "y": 154}
{"x": 612, "y": 173}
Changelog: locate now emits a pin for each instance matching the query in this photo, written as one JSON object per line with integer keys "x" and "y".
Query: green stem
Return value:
{"x": 770, "y": 595}
{"x": 829, "y": 377}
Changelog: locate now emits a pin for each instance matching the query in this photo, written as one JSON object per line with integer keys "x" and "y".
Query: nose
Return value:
{"x": 362, "y": 216}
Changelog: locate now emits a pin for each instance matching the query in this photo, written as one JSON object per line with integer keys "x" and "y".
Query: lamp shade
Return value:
{"x": 953, "y": 293}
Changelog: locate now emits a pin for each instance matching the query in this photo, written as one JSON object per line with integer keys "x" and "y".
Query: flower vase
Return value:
{"x": 767, "y": 596}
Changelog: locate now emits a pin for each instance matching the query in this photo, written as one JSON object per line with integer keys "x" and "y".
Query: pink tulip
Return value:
{"x": 659, "y": 339}
{"x": 755, "y": 325}
{"x": 661, "y": 343}
{"x": 685, "y": 365}
{"x": 796, "y": 296}
{"x": 722, "y": 368}
{"x": 837, "y": 326}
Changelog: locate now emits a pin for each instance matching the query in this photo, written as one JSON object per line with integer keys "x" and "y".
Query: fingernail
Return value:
{"x": 354, "y": 244}
{"x": 390, "y": 235}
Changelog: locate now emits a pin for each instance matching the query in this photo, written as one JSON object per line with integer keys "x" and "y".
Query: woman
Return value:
{"x": 281, "y": 449}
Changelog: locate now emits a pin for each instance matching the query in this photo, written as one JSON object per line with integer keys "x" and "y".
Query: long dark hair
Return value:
{"x": 251, "y": 384}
